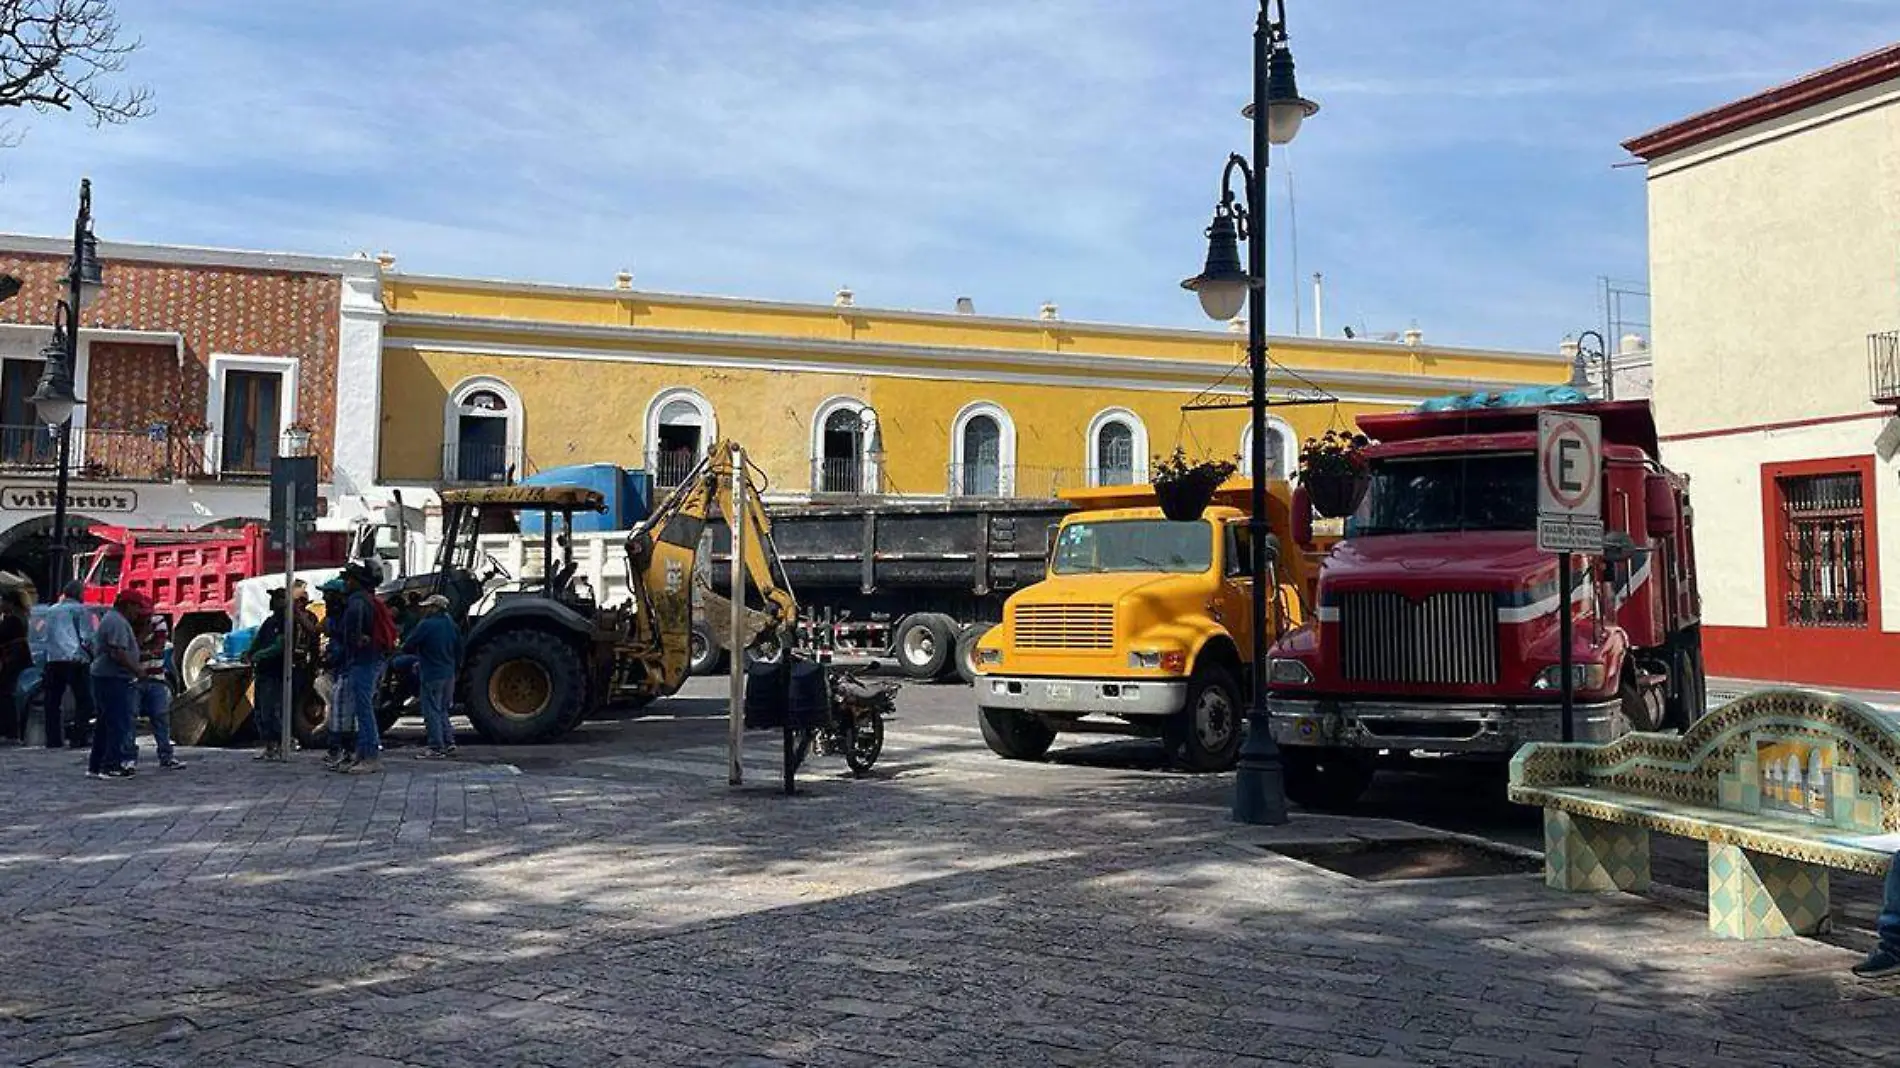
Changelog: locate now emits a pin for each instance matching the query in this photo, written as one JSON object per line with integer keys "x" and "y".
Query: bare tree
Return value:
{"x": 60, "y": 54}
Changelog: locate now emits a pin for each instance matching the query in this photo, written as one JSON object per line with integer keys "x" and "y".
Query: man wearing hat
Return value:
{"x": 336, "y": 662}
{"x": 364, "y": 663}
{"x": 437, "y": 646}
{"x": 115, "y": 671}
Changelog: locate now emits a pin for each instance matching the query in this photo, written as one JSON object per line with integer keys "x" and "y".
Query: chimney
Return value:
{"x": 1050, "y": 312}
{"x": 386, "y": 260}
{"x": 1414, "y": 337}
{"x": 623, "y": 280}
{"x": 966, "y": 306}
{"x": 845, "y": 298}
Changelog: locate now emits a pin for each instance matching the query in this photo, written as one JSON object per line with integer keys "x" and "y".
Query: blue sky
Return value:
{"x": 1460, "y": 176}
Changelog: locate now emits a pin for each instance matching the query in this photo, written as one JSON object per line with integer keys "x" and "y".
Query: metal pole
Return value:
{"x": 735, "y": 716}
{"x": 290, "y": 615}
{"x": 1563, "y": 653}
{"x": 71, "y": 355}
{"x": 1260, "y": 782}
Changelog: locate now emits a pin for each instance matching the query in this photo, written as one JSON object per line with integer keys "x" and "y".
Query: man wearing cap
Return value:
{"x": 437, "y": 646}
{"x": 115, "y": 671}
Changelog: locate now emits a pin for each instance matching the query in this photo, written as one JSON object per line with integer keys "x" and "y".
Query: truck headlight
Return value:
{"x": 1288, "y": 672}
{"x": 1582, "y": 677}
{"x": 991, "y": 657}
{"x": 1174, "y": 662}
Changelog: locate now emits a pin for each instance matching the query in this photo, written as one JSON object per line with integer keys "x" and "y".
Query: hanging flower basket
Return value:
{"x": 1334, "y": 472}
{"x": 1184, "y": 487}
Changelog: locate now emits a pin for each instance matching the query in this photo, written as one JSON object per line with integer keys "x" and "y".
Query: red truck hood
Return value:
{"x": 1473, "y": 560}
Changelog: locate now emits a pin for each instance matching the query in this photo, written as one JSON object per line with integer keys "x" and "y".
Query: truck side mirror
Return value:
{"x": 1659, "y": 506}
{"x": 1619, "y": 547}
{"x": 1303, "y": 518}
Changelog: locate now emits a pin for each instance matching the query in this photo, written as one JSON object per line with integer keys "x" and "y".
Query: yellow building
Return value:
{"x": 481, "y": 377}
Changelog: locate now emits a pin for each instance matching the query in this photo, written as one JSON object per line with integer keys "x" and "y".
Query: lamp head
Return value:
{"x": 1222, "y": 285}
{"x": 92, "y": 280}
{"x": 54, "y": 399}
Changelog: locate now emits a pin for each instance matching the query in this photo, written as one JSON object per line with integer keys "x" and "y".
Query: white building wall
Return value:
{"x": 359, "y": 377}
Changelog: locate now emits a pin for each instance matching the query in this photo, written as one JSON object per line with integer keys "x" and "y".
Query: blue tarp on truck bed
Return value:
{"x": 1527, "y": 397}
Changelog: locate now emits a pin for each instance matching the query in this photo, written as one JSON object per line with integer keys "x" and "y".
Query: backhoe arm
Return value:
{"x": 662, "y": 554}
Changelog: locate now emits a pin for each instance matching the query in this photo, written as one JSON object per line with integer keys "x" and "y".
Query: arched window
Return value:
{"x": 1283, "y": 449}
{"x": 680, "y": 428}
{"x": 844, "y": 453}
{"x": 482, "y": 431}
{"x": 1117, "y": 449}
{"x": 983, "y": 452}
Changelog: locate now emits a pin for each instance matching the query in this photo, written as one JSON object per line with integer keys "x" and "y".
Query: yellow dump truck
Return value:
{"x": 1141, "y": 627}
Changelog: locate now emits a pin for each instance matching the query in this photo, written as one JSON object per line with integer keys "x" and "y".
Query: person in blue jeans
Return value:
{"x": 115, "y": 673}
{"x": 1884, "y": 961}
{"x": 436, "y": 645}
{"x": 364, "y": 665}
{"x": 153, "y": 695}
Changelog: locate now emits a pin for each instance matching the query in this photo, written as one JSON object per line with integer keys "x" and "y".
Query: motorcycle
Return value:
{"x": 854, "y": 724}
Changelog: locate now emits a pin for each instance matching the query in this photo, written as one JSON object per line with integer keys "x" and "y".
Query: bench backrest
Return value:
{"x": 1827, "y": 759}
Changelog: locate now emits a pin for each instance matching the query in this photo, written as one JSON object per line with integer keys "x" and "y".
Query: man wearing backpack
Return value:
{"x": 368, "y": 634}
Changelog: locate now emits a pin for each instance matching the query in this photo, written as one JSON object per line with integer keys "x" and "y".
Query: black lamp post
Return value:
{"x": 1277, "y": 112}
{"x": 55, "y": 400}
{"x": 1587, "y": 354}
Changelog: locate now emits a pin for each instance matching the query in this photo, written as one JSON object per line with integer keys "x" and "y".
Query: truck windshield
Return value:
{"x": 1134, "y": 545}
{"x": 1435, "y": 494}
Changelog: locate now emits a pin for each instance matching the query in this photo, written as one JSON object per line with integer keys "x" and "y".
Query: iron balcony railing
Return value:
{"x": 670, "y": 467}
{"x": 846, "y": 475}
{"x": 1883, "y": 367}
{"x": 470, "y": 464}
{"x": 155, "y": 453}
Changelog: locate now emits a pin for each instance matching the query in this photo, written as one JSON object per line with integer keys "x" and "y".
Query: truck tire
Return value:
{"x": 924, "y": 645}
{"x": 195, "y": 655}
{"x": 1643, "y": 711}
{"x": 704, "y": 654}
{"x": 1325, "y": 780}
{"x": 1691, "y": 701}
{"x": 966, "y": 651}
{"x": 1015, "y": 735}
{"x": 525, "y": 686}
{"x": 1205, "y": 736}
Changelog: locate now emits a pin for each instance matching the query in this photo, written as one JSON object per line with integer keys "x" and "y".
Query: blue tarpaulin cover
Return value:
{"x": 1527, "y": 397}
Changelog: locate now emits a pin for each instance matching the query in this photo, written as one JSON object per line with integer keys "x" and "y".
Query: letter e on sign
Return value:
{"x": 1569, "y": 482}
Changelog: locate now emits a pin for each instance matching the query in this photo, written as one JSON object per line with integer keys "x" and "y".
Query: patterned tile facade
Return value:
{"x": 1754, "y": 895}
{"x": 217, "y": 309}
{"x": 1582, "y": 854}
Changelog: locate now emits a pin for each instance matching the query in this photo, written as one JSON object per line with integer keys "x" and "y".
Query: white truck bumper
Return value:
{"x": 1079, "y": 697}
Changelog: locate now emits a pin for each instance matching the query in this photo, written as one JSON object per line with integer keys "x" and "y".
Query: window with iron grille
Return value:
{"x": 1824, "y": 550}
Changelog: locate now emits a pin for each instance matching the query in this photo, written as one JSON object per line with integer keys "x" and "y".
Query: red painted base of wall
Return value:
{"x": 1844, "y": 659}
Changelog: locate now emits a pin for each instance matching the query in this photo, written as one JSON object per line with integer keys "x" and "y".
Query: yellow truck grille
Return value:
{"x": 1065, "y": 626}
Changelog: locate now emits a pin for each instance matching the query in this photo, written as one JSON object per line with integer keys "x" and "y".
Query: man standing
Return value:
{"x": 1884, "y": 961}
{"x": 154, "y": 694}
{"x": 365, "y": 645}
{"x": 437, "y": 647}
{"x": 266, "y": 657}
{"x": 115, "y": 670}
{"x": 68, "y": 653}
{"x": 336, "y": 663}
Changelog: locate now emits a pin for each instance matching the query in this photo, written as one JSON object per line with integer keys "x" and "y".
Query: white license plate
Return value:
{"x": 1061, "y": 692}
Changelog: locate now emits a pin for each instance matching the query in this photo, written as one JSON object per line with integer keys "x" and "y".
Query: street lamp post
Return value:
{"x": 55, "y": 400}
{"x": 1587, "y": 354}
{"x": 1277, "y": 112}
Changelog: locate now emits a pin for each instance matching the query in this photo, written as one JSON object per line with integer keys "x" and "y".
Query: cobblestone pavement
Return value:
{"x": 628, "y": 908}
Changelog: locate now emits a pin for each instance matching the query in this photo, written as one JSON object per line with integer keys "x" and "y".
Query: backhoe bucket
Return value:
{"x": 718, "y": 619}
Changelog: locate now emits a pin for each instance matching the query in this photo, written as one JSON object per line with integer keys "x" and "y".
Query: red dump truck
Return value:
{"x": 1436, "y": 629}
{"x": 192, "y": 576}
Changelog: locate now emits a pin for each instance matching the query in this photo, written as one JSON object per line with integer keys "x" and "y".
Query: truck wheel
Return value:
{"x": 197, "y": 656}
{"x": 1325, "y": 779}
{"x": 1691, "y": 702}
{"x": 924, "y": 645}
{"x": 966, "y": 650}
{"x": 704, "y": 655}
{"x": 525, "y": 686}
{"x": 1642, "y": 709}
{"x": 1015, "y": 735}
{"x": 1205, "y": 736}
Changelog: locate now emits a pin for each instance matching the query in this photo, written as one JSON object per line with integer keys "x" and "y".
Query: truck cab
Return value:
{"x": 1140, "y": 627}
{"x": 1436, "y": 631}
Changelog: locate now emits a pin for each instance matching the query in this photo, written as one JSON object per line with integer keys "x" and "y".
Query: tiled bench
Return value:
{"x": 1784, "y": 785}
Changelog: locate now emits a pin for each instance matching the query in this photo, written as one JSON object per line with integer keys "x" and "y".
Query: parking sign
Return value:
{"x": 1569, "y": 482}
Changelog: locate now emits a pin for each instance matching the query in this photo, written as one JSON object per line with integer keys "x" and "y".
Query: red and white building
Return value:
{"x": 1774, "y": 245}
{"x": 192, "y": 366}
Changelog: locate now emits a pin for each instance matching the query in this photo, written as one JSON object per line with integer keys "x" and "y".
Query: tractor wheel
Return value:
{"x": 525, "y": 686}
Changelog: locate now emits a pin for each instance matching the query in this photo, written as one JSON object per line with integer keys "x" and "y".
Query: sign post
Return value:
{"x": 1569, "y": 519}
{"x": 735, "y": 715}
{"x": 293, "y": 498}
